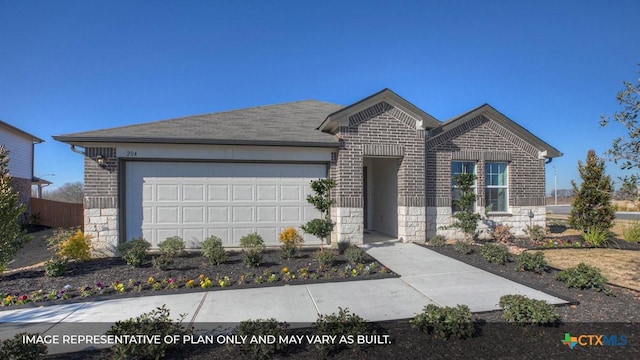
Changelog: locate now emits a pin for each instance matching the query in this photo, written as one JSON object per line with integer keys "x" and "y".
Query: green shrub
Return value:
{"x": 156, "y": 322}
{"x": 213, "y": 250}
{"x": 354, "y": 255}
{"x": 342, "y": 246}
{"x": 445, "y": 322}
{"x": 528, "y": 261}
{"x": 519, "y": 309}
{"x": 252, "y": 246}
{"x": 502, "y": 233}
{"x": 631, "y": 232}
{"x": 258, "y": 350}
{"x": 341, "y": 324}
{"x": 134, "y": 252}
{"x": 172, "y": 247}
{"x": 58, "y": 236}
{"x": 463, "y": 247}
{"x": 325, "y": 258}
{"x": 76, "y": 247}
{"x": 438, "y": 241}
{"x": 495, "y": 253}
{"x": 162, "y": 262}
{"x": 17, "y": 349}
{"x": 56, "y": 266}
{"x": 536, "y": 232}
{"x": 583, "y": 276}
{"x": 595, "y": 237}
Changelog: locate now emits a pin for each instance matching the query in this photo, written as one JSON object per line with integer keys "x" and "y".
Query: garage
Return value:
{"x": 195, "y": 200}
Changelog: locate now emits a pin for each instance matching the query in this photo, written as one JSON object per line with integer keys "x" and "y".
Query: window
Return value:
{"x": 496, "y": 186}
{"x": 457, "y": 168}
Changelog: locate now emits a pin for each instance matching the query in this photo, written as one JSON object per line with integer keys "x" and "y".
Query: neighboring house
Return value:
{"x": 20, "y": 145}
{"x": 232, "y": 173}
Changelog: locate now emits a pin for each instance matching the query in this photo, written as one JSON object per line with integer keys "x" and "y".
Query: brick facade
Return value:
{"x": 481, "y": 140}
{"x": 101, "y": 207}
{"x": 379, "y": 131}
{"x": 23, "y": 188}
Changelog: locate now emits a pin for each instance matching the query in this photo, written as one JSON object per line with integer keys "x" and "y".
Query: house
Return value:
{"x": 20, "y": 145}
{"x": 231, "y": 173}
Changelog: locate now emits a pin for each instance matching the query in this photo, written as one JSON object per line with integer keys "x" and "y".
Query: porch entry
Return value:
{"x": 380, "y": 194}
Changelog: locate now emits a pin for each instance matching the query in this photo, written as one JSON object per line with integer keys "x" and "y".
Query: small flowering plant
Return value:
{"x": 118, "y": 287}
{"x": 8, "y": 300}
{"x": 190, "y": 284}
{"x": 206, "y": 283}
{"x": 224, "y": 282}
{"x": 170, "y": 283}
{"x": 22, "y": 299}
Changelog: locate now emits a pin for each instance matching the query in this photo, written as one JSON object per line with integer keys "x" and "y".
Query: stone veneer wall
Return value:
{"x": 378, "y": 131}
{"x": 481, "y": 140}
{"x": 101, "y": 200}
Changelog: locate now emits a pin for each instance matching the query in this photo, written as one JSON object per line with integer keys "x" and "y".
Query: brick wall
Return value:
{"x": 483, "y": 141}
{"x": 23, "y": 188}
{"x": 100, "y": 185}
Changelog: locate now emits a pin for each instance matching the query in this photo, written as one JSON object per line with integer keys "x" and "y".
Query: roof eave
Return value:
{"x": 79, "y": 141}
{"x": 33, "y": 138}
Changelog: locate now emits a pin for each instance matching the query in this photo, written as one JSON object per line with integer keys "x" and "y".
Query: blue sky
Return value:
{"x": 552, "y": 66}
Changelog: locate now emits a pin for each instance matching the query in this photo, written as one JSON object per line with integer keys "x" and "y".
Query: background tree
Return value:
{"x": 591, "y": 206}
{"x": 72, "y": 192}
{"x": 628, "y": 190}
{"x": 625, "y": 150}
{"x": 12, "y": 237}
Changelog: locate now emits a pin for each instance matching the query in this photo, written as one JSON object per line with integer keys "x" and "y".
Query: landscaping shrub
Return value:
{"x": 495, "y": 253}
{"x": 583, "y": 276}
{"x": 631, "y": 232}
{"x": 463, "y": 247}
{"x": 262, "y": 327}
{"x": 17, "y": 349}
{"x": 595, "y": 237}
{"x": 536, "y": 232}
{"x": 56, "y": 266}
{"x": 438, "y": 241}
{"x": 341, "y": 324}
{"x": 76, "y": 247}
{"x": 502, "y": 233}
{"x": 172, "y": 247}
{"x": 519, "y": 309}
{"x": 342, "y": 246}
{"x": 252, "y": 246}
{"x": 156, "y": 322}
{"x": 354, "y": 255}
{"x": 445, "y": 322}
{"x": 134, "y": 252}
{"x": 291, "y": 241}
{"x": 532, "y": 261}
{"x": 325, "y": 258}
{"x": 322, "y": 201}
{"x": 58, "y": 236}
{"x": 213, "y": 250}
{"x": 162, "y": 262}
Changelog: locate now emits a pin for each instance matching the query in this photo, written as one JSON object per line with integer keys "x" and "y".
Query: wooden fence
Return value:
{"x": 57, "y": 214}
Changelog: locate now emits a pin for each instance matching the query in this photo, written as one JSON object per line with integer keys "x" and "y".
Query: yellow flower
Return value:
{"x": 150, "y": 280}
{"x": 285, "y": 270}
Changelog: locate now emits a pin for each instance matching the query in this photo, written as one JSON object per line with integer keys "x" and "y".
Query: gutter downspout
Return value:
{"x": 73, "y": 148}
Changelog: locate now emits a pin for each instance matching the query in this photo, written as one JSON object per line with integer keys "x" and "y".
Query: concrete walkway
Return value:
{"x": 426, "y": 277}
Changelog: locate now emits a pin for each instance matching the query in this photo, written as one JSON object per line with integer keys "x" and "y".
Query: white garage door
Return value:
{"x": 195, "y": 200}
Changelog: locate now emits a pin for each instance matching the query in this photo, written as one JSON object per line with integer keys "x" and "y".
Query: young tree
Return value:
{"x": 591, "y": 206}
{"x": 322, "y": 227}
{"x": 12, "y": 237}
{"x": 624, "y": 149}
{"x": 466, "y": 219}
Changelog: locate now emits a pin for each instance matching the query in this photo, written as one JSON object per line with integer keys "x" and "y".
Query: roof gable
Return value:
{"x": 446, "y": 129}
{"x": 341, "y": 117}
{"x": 21, "y": 133}
{"x": 289, "y": 124}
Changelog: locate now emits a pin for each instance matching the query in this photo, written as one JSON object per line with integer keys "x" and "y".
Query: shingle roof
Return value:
{"x": 283, "y": 124}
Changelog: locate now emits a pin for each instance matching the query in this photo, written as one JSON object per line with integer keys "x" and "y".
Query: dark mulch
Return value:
{"x": 594, "y": 313}
{"x": 100, "y": 274}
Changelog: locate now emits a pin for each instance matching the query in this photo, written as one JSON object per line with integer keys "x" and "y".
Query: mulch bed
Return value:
{"x": 99, "y": 275}
{"x": 592, "y": 313}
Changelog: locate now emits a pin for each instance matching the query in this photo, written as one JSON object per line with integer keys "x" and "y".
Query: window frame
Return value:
{"x": 489, "y": 185}
{"x": 454, "y": 186}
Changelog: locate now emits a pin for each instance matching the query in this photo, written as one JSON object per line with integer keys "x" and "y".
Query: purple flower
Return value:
{"x": 100, "y": 285}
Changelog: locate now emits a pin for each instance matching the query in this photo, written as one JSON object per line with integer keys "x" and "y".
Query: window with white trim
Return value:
{"x": 496, "y": 190}
{"x": 458, "y": 168}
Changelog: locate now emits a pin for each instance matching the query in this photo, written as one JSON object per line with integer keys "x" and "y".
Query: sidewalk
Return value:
{"x": 426, "y": 277}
